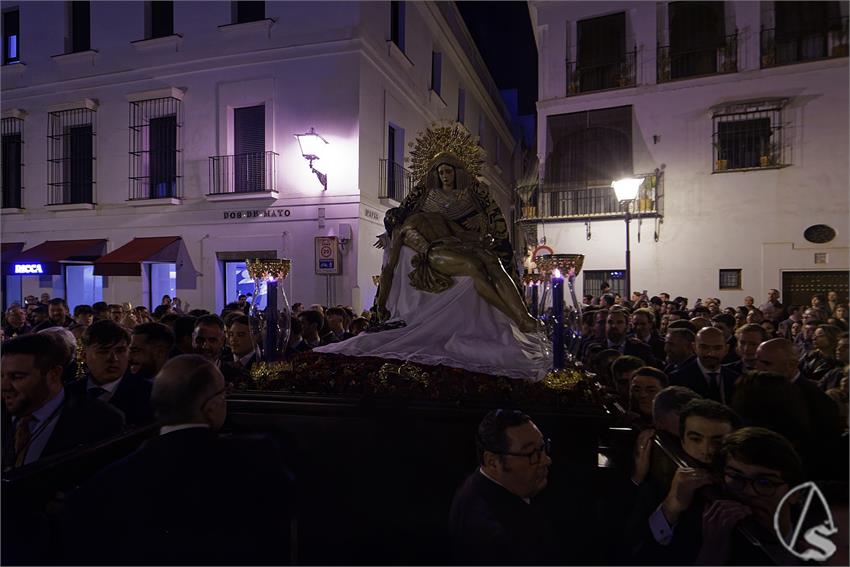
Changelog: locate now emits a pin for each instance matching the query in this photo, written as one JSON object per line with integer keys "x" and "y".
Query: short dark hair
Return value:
{"x": 682, "y": 324}
{"x": 184, "y": 326}
{"x": 708, "y": 409}
{"x": 156, "y": 333}
{"x": 672, "y": 399}
{"x": 175, "y": 401}
{"x": 335, "y": 311}
{"x": 625, "y": 363}
{"x": 765, "y": 448}
{"x": 83, "y": 310}
{"x": 313, "y": 317}
{"x": 105, "y": 333}
{"x": 682, "y": 333}
{"x": 58, "y": 301}
{"x": 752, "y": 328}
{"x": 160, "y": 311}
{"x": 198, "y": 313}
{"x": 647, "y": 312}
{"x": 294, "y": 325}
{"x": 250, "y": 322}
{"x": 210, "y": 319}
{"x": 112, "y": 306}
{"x": 652, "y": 373}
{"x": 724, "y": 319}
{"x": 492, "y": 431}
{"x": 47, "y": 353}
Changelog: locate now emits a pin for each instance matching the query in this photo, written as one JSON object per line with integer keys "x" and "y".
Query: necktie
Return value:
{"x": 95, "y": 393}
{"x": 714, "y": 387}
{"x": 22, "y": 439}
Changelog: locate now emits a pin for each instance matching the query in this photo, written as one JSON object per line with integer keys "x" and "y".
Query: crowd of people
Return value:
{"x": 745, "y": 402}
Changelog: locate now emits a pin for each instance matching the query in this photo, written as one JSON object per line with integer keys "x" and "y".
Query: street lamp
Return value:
{"x": 312, "y": 145}
{"x": 626, "y": 190}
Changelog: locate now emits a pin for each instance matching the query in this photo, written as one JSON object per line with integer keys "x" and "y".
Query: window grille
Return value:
{"x": 71, "y": 156}
{"x": 730, "y": 279}
{"x": 748, "y": 137}
{"x": 593, "y": 280}
{"x": 699, "y": 44}
{"x": 602, "y": 60}
{"x": 804, "y": 31}
{"x": 13, "y": 163}
{"x": 156, "y": 149}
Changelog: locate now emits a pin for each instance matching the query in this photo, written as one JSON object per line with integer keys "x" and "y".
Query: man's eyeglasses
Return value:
{"x": 536, "y": 455}
{"x": 761, "y": 486}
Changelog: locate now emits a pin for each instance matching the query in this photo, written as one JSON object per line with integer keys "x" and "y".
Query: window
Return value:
{"x": 396, "y": 174}
{"x": 163, "y": 281}
{"x": 237, "y": 281}
{"x": 12, "y": 184}
{"x": 160, "y": 19}
{"x": 698, "y": 42}
{"x": 11, "y": 37}
{"x": 397, "y": 23}
{"x": 804, "y": 31}
{"x": 249, "y": 142}
{"x": 602, "y": 57}
{"x": 748, "y": 136}
{"x": 436, "y": 71}
{"x": 730, "y": 279}
{"x": 71, "y": 156}
{"x": 156, "y": 148}
{"x": 461, "y": 106}
{"x": 82, "y": 287}
{"x": 586, "y": 152}
{"x": 593, "y": 281}
{"x": 244, "y": 12}
{"x": 80, "y": 27}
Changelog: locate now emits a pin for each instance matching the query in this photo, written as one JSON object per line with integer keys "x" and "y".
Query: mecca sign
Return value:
{"x": 327, "y": 255}
{"x": 29, "y": 269}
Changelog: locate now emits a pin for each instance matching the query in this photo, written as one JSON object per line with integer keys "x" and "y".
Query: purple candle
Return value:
{"x": 557, "y": 320}
{"x": 270, "y": 348}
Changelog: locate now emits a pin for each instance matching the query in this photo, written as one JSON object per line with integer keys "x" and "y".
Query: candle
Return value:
{"x": 534, "y": 299}
{"x": 557, "y": 320}
{"x": 270, "y": 347}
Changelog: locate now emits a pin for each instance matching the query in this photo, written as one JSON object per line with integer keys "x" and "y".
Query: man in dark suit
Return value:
{"x": 780, "y": 356}
{"x": 242, "y": 334}
{"x": 643, "y": 323}
{"x": 748, "y": 338}
{"x": 493, "y": 520}
{"x": 209, "y": 340}
{"x": 679, "y": 348}
{"x": 616, "y": 338}
{"x": 40, "y": 418}
{"x": 704, "y": 374}
{"x": 187, "y": 496}
{"x": 150, "y": 347}
{"x": 106, "y": 349}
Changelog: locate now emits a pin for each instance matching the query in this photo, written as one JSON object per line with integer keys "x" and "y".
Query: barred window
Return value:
{"x": 730, "y": 278}
{"x": 71, "y": 156}
{"x": 748, "y": 136}
{"x": 156, "y": 149}
{"x": 13, "y": 162}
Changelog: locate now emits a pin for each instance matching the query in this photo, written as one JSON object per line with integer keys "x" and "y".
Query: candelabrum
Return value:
{"x": 555, "y": 268}
{"x": 270, "y": 306}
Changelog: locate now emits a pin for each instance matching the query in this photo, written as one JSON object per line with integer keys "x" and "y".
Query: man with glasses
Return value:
{"x": 493, "y": 520}
{"x": 188, "y": 496}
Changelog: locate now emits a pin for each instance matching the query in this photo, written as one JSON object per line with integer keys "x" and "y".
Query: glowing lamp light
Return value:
{"x": 626, "y": 189}
{"x": 556, "y": 273}
{"x": 312, "y": 147}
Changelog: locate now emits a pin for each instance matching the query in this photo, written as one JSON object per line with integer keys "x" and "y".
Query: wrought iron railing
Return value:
{"x": 709, "y": 60}
{"x": 71, "y": 156}
{"x": 11, "y": 185}
{"x": 583, "y": 78}
{"x": 395, "y": 181}
{"x": 591, "y": 202}
{"x": 782, "y": 48}
{"x": 156, "y": 149}
{"x": 243, "y": 173}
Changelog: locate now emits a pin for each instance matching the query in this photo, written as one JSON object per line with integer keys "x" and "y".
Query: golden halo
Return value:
{"x": 442, "y": 140}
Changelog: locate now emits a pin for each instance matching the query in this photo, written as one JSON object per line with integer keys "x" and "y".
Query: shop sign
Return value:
{"x": 256, "y": 214}
{"x": 327, "y": 255}
{"x": 29, "y": 269}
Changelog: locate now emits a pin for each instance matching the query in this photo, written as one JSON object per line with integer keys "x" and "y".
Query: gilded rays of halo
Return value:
{"x": 453, "y": 139}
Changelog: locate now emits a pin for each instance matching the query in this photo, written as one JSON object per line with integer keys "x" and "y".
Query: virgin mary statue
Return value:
{"x": 448, "y": 292}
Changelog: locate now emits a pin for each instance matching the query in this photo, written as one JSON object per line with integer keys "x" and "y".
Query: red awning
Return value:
{"x": 127, "y": 260}
{"x": 51, "y": 252}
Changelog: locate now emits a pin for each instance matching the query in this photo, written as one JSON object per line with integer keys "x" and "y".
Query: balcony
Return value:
{"x": 584, "y": 78}
{"x": 395, "y": 181}
{"x": 781, "y": 48}
{"x": 592, "y": 202}
{"x": 710, "y": 60}
{"x": 243, "y": 176}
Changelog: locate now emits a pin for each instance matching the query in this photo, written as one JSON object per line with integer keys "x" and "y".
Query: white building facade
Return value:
{"x": 735, "y": 115}
{"x": 160, "y": 138}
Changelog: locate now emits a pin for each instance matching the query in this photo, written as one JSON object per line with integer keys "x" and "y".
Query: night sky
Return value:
{"x": 502, "y": 31}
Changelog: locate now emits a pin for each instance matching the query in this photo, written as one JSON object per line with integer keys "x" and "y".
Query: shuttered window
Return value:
{"x": 249, "y": 131}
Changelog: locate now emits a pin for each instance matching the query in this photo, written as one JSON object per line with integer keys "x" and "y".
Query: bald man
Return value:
{"x": 185, "y": 497}
{"x": 704, "y": 374}
{"x": 780, "y": 356}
